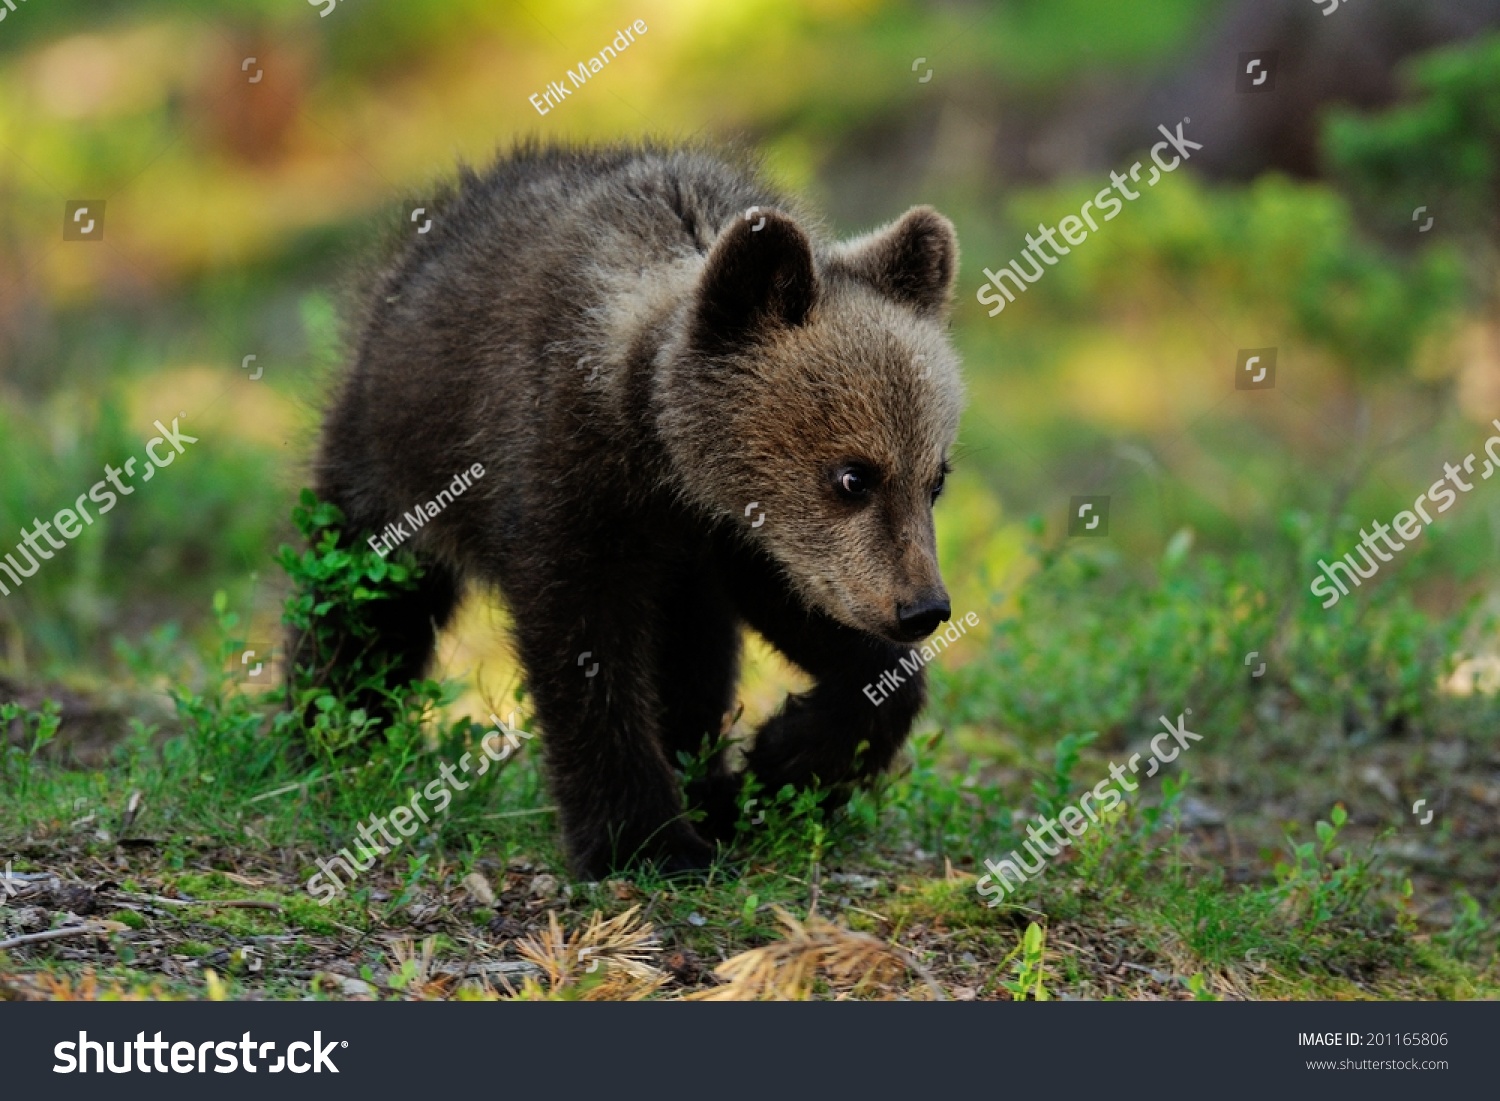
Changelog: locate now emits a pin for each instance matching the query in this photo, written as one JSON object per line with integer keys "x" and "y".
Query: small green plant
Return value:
{"x": 1198, "y": 987}
{"x": 790, "y": 828}
{"x": 1311, "y": 872}
{"x": 1472, "y": 935}
{"x": 1332, "y": 897}
{"x": 1055, "y": 791}
{"x": 1028, "y": 960}
{"x": 415, "y": 867}
{"x": 38, "y": 728}
{"x": 946, "y": 814}
{"x": 1152, "y": 814}
{"x": 344, "y": 708}
{"x": 222, "y": 750}
{"x": 334, "y": 582}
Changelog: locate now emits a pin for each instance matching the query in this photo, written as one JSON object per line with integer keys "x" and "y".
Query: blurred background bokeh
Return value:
{"x": 247, "y": 152}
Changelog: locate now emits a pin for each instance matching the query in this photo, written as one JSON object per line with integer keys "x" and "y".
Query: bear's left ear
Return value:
{"x": 913, "y": 260}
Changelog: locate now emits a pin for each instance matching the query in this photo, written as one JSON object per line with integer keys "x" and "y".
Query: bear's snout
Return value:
{"x": 918, "y": 619}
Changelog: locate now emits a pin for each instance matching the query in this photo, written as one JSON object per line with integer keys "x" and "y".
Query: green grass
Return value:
{"x": 1153, "y": 903}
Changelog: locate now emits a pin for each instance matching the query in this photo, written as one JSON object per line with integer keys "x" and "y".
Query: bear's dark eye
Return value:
{"x": 854, "y": 483}
{"x": 942, "y": 480}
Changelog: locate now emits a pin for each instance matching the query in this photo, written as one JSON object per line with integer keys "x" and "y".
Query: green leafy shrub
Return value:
{"x": 1439, "y": 150}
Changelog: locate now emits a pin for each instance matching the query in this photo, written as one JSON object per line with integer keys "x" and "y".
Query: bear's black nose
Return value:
{"x": 920, "y": 619}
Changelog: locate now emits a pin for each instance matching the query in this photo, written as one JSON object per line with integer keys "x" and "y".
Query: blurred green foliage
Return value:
{"x": 204, "y": 518}
{"x": 1290, "y": 255}
{"x": 1440, "y": 151}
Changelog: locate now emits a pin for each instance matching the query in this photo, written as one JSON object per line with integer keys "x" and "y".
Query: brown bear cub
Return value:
{"x": 692, "y": 412}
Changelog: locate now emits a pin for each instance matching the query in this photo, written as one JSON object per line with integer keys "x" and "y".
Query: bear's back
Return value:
{"x": 489, "y": 337}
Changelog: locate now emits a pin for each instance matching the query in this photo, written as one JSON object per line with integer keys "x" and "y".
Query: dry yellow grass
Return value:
{"x": 620, "y": 951}
{"x": 786, "y": 970}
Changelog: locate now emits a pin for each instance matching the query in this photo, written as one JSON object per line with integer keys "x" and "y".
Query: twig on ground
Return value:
{"x": 52, "y": 934}
{"x": 303, "y": 784}
{"x": 509, "y": 814}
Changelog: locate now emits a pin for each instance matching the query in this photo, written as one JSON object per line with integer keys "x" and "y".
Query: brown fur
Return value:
{"x": 635, "y": 363}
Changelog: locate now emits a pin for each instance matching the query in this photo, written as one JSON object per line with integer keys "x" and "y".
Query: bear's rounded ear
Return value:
{"x": 913, "y": 260}
{"x": 759, "y": 277}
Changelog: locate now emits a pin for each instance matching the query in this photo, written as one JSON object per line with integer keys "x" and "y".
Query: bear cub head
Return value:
{"x": 814, "y": 400}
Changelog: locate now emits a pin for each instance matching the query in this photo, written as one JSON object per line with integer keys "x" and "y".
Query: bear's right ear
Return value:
{"x": 759, "y": 277}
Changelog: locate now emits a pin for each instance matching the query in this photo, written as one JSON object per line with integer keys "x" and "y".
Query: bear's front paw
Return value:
{"x": 715, "y": 801}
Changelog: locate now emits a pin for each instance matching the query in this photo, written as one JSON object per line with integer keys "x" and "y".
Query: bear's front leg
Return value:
{"x": 836, "y": 733}
{"x": 697, "y": 667}
{"x": 586, "y": 640}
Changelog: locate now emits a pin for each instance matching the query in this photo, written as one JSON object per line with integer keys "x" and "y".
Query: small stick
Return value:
{"x": 512, "y": 813}
{"x": 303, "y": 784}
{"x": 52, "y": 934}
{"x": 921, "y": 972}
{"x": 132, "y": 809}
